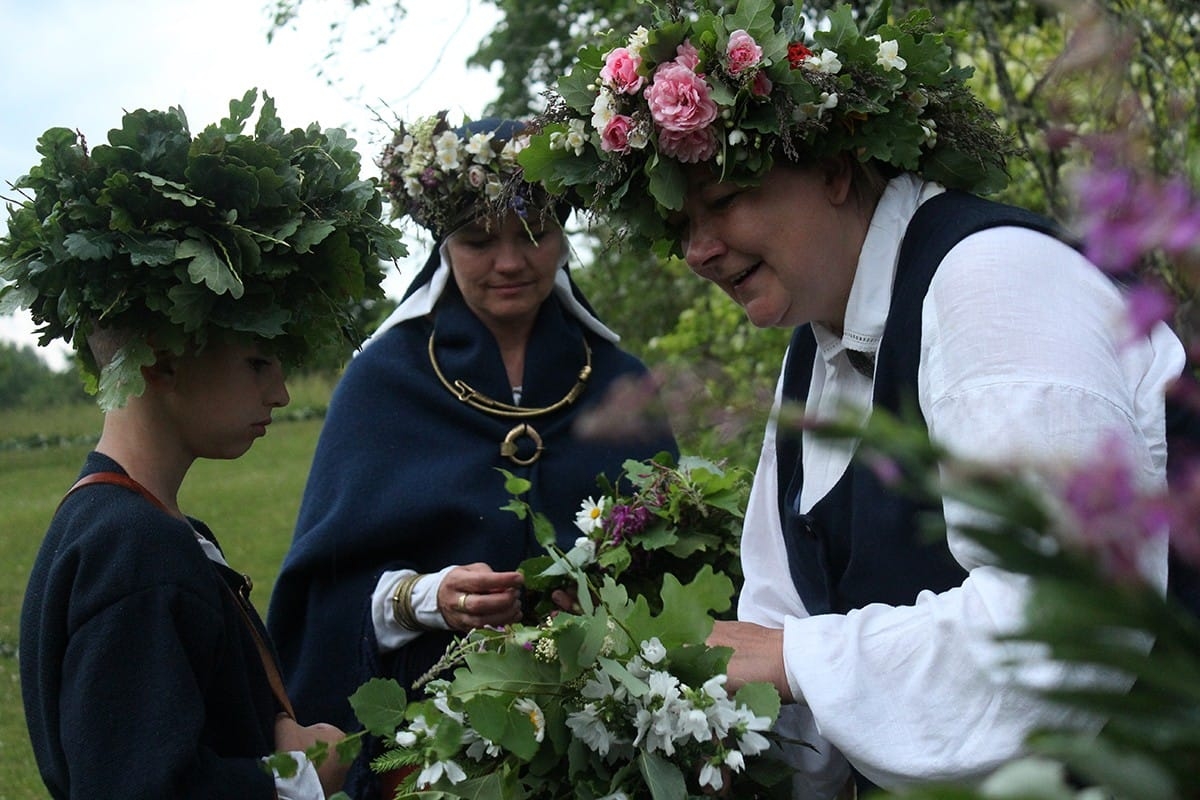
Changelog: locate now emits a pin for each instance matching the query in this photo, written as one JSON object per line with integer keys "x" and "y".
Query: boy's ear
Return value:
{"x": 161, "y": 374}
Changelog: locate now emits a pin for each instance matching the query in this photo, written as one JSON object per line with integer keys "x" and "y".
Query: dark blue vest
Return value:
{"x": 862, "y": 543}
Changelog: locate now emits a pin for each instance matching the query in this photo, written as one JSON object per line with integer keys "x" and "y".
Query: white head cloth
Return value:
{"x": 425, "y": 297}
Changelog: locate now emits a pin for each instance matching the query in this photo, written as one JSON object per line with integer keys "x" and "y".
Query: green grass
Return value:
{"x": 250, "y": 504}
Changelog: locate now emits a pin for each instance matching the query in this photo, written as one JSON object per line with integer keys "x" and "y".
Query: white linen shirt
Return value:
{"x": 1023, "y": 360}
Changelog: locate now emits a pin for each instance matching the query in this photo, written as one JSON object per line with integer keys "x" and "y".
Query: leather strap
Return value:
{"x": 274, "y": 678}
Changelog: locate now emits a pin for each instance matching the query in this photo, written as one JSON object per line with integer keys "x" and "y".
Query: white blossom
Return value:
{"x": 826, "y": 61}
{"x": 710, "y": 775}
{"x": 576, "y": 136}
{"x": 889, "y": 56}
{"x": 588, "y": 726}
{"x": 446, "y": 151}
{"x": 603, "y": 110}
{"x": 638, "y": 39}
{"x": 653, "y": 650}
{"x": 480, "y": 146}
{"x": 434, "y": 772}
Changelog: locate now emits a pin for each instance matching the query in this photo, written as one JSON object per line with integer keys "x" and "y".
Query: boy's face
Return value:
{"x": 223, "y": 398}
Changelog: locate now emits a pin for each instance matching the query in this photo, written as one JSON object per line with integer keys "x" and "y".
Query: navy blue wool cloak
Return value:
{"x": 139, "y": 675}
{"x": 405, "y": 477}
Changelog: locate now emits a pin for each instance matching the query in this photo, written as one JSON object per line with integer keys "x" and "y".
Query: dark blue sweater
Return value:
{"x": 139, "y": 676}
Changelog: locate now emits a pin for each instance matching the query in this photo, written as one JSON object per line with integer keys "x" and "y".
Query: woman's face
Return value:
{"x": 504, "y": 272}
{"x": 785, "y": 250}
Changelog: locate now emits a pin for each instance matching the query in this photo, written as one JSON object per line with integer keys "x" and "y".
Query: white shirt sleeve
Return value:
{"x": 1023, "y": 361}
{"x": 388, "y": 633}
{"x": 304, "y": 785}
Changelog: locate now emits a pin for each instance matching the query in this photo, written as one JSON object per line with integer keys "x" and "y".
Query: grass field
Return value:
{"x": 250, "y": 504}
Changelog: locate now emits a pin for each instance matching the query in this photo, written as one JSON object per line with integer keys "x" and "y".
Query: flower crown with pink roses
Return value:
{"x": 739, "y": 90}
{"x": 443, "y": 176}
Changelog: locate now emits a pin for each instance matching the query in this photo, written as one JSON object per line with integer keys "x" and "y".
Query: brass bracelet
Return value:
{"x": 402, "y": 604}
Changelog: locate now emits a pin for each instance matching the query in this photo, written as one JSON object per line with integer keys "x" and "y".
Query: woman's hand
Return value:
{"x": 292, "y": 736}
{"x": 474, "y": 595}
{"x": 757, "y": 655}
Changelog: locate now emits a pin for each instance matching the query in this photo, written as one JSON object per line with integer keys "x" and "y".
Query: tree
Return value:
{"x": 27, "y": 381}
{"x": 1058, "y": 72}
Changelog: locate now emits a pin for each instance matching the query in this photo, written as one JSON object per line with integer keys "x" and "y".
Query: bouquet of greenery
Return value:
{"x": 660, "y": 517}
{"x": 621, "y": 700}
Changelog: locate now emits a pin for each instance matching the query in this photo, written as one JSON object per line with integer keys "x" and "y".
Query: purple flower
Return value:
{"x": 1122, "y": 216}
{"x": 1145, "y": 307}
{"x": 627, "y": 521}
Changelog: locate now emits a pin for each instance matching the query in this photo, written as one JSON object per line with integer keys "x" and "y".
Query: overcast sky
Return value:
{"x": 81, "y": 63}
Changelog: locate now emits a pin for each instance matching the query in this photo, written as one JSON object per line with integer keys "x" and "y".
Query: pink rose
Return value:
{"x": 615, "y": 136}
{"x": 743, "y": 52}
{"x": 620, "y": 71}
{"x": 687, "y": 55}
{"x": 761, "y": 86}
{"x": 689, "y": 147}
{"x": 679, "y": 99}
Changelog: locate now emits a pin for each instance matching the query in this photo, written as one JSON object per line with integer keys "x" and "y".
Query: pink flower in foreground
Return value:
{"x": 620, "y": 71}
{"x": 1123, "y": 216}
{"x": 1145, "y": 307}
{"x": 742, "y": 52}
{"x": 688, "y": 147}
{"x": 1112, "y": 517}
{"x": 679, "y": 99}
{"x": 615, "y": 136}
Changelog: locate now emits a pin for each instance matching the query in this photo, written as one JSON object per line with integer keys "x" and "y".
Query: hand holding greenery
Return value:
{"x": 622, "y": 700}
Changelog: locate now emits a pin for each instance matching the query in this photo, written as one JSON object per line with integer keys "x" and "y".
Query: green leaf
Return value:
{"x": 663, "y": 778}
{"x": 206, "y": 267}
{"x": 379, "y": 705}
{"x": 90, "y": 245}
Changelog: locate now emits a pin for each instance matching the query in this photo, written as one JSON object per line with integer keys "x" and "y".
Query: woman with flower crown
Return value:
{"x": 403, "y": 541}
{"x": 830, "y": 184}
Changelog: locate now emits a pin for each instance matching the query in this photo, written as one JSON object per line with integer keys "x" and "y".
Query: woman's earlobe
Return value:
{"x": 839, "y": 176}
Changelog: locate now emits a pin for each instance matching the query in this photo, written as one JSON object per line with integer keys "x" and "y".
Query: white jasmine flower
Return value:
{"x": 531, "y": 709}
{"x": 480, "y": 146}
{"x": 929, "y": 128}
{"x": 603, "y": 110}
{"x": 446, "y": 151}
{"x": 653, "y": 651}
{"x": 663, "y": 684}
{"x": 736, "y": 136}
{"x": 435, "y": 771}
{"x": 406, "y": 738}
{"x": 589, "y": 519}
{"x": 576, "y": 136}
{"x": 735, "y": 760}
{"x": 826, "y": 61}
{"x": 829, "y": 100}
{"x": 888, "y": 56}
{"x": 493, "y": 187}
{"x": 638, "y": 39}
